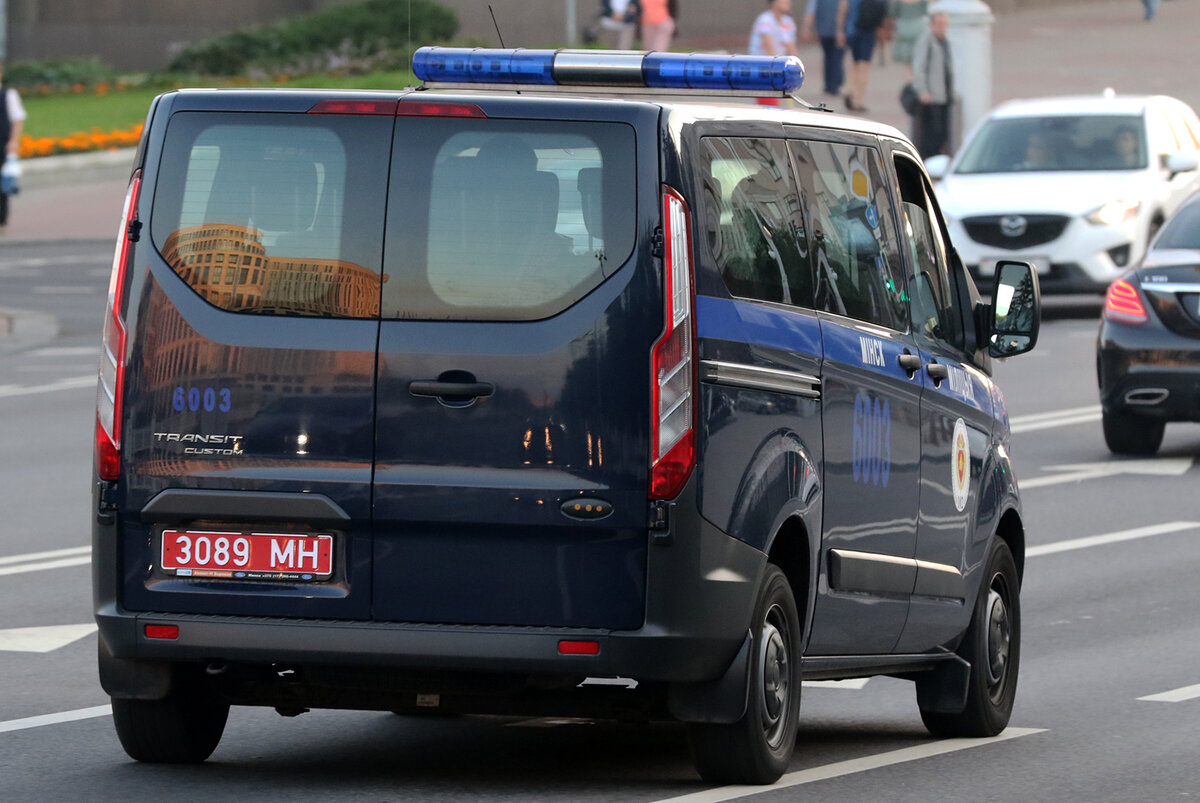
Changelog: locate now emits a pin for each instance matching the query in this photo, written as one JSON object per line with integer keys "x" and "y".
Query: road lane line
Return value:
{"x": 1175, "y": 696}
{"x": 1059, "y": 418}
{"x": 55, "y": 719}
{"x": 50, "y": 564}
{"x": 853, "y": 766}
{"x": 53, "y": 553}
{"x": 63, "y": 384}
{"x": 1111, "y": 538}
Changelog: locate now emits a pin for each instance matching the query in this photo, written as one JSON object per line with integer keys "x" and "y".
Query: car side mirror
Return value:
{"x": 1177, "y": 163}
{"x": 1016, "y": 309}
{"x": 937, "y": 166}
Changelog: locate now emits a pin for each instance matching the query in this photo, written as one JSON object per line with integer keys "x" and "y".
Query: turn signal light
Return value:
{"x": 1123, "y": 304}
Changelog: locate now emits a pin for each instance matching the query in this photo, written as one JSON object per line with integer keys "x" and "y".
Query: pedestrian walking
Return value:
{"x": 1151, "y": 7}
{"x": 658, "y": 24}
{"x": 12, "y": 122}
{"x": 909, "y": 21}
{"x": 933, "y": 78}
{"x": 825, "y": 20}
{"x": 774, "y": 31}
{"x": 863, "y": 19}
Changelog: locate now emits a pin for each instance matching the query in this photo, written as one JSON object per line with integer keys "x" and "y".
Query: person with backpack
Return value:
{"x": 863, "y": 20}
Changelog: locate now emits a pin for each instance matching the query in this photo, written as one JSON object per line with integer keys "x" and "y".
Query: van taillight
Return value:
{"x": 112, "y": 357}
{"x": 672, "y": 437}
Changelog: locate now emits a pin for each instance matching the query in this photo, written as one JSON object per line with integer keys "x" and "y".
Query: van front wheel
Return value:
{"x": 757, "y": 748}
{"x": 182, "y": 728}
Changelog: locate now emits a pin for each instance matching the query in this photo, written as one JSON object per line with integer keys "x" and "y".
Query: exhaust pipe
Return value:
{"x": 1147, "y": 397}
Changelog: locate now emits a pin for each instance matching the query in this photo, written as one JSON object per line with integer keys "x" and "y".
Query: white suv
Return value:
{"x": 1077, "y": 186}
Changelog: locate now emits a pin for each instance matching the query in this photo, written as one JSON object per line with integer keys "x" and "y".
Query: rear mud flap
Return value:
{"x": 722, "y": 701}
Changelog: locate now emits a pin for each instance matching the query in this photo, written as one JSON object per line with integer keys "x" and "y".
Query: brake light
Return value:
{"x": 672, "y": 436}
{"x": 384, "y": 107}
{"x": 112, "y": 357}
{"x": 1122, "y": 303}
{"x": 421, "y": 108}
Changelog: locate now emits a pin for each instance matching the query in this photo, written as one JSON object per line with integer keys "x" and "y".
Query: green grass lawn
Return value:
{"x": 63, "y": 114}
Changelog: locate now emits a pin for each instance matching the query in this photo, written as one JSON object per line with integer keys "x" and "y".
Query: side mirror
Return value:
{"x": 1016, "y": 310}
{"x": 937, "y": 166}
{"x": 1177, "y": 163}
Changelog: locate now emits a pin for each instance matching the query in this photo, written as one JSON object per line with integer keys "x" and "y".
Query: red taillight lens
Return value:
{"x": 1122, "y": 303}
{"x": 421, "y": 108}
{"x": 162, "y": 631}
{"x": 578, "y": 648}
{"x": 384, "y": 107}
{"x": 112, "y": 356}
{"x": 673, "y": 442}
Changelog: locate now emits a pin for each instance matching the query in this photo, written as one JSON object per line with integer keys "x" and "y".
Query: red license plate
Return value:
{"x": 247, "y": 556}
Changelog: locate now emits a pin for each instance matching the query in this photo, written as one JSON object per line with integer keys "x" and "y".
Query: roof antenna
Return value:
{"x": 499, "y": 35}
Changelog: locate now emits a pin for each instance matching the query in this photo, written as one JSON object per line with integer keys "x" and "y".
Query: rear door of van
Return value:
{"x": 520, "y": 305}
{"x": 250, "y": 389}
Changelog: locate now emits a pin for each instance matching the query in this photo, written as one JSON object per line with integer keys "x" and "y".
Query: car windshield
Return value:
{"x": 1182, "y": 230}
{"x": 1069, "y": 142}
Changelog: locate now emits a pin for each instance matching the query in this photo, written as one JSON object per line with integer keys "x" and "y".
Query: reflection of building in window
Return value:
{"x": 230, "y": 268}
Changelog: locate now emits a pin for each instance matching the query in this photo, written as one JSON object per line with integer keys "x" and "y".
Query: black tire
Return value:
{"x": 1126, "y": 433}
{"x": 183, "y": 728}
{"x": 992, "y": 646}
{"x": 757, "y": 748}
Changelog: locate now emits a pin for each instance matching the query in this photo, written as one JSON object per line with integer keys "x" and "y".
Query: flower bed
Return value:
{"x": 80, "y": 142}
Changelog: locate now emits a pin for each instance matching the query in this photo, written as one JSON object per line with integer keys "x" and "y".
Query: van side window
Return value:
{"x": 935, "y": 316}
{"x": 505, "y": 220}
{"x": 275, "y": 189}
{"x": 859, "y": 272}
{"x": 753, "y": 220}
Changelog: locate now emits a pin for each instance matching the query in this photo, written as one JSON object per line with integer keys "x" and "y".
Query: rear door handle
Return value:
{"x": 450, "y": 390}
{"x": 911, "y": 363}
{"x": 937, "y": 372}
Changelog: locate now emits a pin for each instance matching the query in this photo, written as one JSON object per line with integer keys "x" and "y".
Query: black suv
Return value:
{"x": 556, "y": 368}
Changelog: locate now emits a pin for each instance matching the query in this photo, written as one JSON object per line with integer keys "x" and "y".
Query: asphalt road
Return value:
{"x": 1107, "y": 706}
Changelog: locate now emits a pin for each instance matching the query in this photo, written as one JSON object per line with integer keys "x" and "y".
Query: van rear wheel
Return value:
{"x": 757, "y": 748}
{"x": 182, "y": 728}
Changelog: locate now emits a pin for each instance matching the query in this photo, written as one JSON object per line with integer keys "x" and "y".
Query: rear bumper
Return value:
{"x": 1150, "y": 373}
{"x": 700, "y": 592}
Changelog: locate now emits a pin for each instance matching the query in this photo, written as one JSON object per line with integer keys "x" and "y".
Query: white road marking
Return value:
{"x": 67, "y": 351}
{"x": 1175, "y": 696}
{"x": 71, "y": 383}
{"x": 1056, "y": 418}
{"x": 73, "y": 290}
{"x": 853, "y": 684}
{"x": 1078, "y": 472}
{"x": 55, "y": 719}
{"x": 1111, "y": 538}
{"x": 53, "y": 553}
{"x": 41, "y": 262}
{"x": 50, "y": 564}
{"x": 851, "y": 767}
{"x": 43, "y": 639}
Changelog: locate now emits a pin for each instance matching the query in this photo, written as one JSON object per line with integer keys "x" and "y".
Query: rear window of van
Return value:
{"x": 275, "y": 214}
{"x": 505, "y": 219}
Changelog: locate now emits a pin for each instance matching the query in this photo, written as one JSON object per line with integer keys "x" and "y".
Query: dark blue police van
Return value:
{"x": 563, "y": 367}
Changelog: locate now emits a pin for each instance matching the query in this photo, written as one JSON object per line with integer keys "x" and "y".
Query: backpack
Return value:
{"x": 871, "y": 14}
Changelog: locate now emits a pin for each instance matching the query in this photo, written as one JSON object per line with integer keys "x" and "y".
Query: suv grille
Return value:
{"x": 1014, "y": 231}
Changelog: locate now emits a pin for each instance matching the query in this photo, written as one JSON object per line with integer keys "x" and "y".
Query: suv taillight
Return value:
{"x": 112, "y": 356}
{"x": 672, "y": 437}
{"x": 1122, "y": 303}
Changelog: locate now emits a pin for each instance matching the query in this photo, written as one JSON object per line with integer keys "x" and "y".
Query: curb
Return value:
{"x": 46, "y": 171}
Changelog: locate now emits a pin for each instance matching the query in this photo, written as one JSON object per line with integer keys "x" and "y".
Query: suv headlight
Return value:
{"x": 1114, "y": 212}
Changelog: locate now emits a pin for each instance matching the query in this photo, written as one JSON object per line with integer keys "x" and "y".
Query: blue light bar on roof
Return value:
{"x": 766, "y": 74}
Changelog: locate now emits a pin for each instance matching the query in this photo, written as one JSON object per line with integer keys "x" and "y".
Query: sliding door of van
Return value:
{"x": 519, "y": 314}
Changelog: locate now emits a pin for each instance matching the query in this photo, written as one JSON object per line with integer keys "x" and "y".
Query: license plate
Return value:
{"x": 247, "y": 556}
{"x": 987, "y": 265}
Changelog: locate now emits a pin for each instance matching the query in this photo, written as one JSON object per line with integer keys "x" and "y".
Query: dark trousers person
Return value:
{"x": 835, "y": 65}
{"x": 933, "y": 128}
